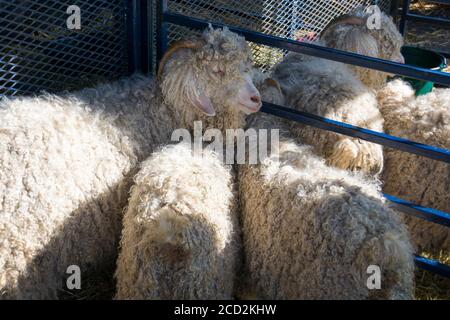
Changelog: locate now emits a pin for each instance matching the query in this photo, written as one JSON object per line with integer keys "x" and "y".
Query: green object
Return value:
{"x": 425, "y": 59}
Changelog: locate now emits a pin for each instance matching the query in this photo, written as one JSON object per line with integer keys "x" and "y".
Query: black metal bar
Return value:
{"x": 145, "y": 11}
{"x": 334, "y": 126}
{"x": 134, "y": 36}
{"x": 361, "y": 133}
{"x": 405, "y": 10}
{"x": 429, "y": 214}
{"x": 162, "y": 27}
{"x": 319, "y": 51}
{"x": 433, "y": 266}
{"x": 423, "y": 213}
{"x": 422, "y": 18}
{"x": 406, "y": 207}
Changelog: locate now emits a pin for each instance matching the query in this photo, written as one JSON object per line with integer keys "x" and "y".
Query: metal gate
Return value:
{"x": 174, "y": 20}
{"x": 290, "y": 19}
{"x": 39, "y": 52}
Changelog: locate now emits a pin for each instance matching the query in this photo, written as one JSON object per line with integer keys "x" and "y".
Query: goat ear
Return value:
{"x": 203, "y": 103}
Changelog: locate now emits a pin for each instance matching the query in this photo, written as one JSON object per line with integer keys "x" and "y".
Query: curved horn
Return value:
{"x": 273, "y": 83}
{"x": 344, "y": 19}
{"x": 182, "y": 44}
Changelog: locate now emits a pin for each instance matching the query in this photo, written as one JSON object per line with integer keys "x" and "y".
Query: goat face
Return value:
{"x": 210, "y": 73}
{"x": 355, "y": 33}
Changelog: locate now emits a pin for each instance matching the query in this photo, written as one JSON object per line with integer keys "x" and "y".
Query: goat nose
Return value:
{"x": 255, "y": 99}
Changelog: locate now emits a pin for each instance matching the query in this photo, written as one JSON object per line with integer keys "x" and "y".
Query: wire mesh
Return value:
{"x": 39, "y": 52}
{"x": 292, "y": 19}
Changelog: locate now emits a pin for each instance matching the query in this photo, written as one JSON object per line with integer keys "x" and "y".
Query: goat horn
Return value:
{"x": 182, "y": 44}
{"x": 273, "y": 83}
{"x": 344, "y": 19}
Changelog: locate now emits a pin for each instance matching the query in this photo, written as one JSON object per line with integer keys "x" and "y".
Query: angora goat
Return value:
{"x": 67, "y": 161}
{"x": 352, "y": 33}
{"x": 311, "y": 231}
{"x": 180, "y": 239}
{"x": 333, "y": 90}
{"x": 425, "y": 119}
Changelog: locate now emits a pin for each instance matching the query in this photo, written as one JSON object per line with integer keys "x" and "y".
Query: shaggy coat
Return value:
{"x": 384, "y": 43}
{"x": 67, "y": 164}
{"x": 341, "y": 92}
{"x": 424, "y": 119}
{"x": 180, "y": 238}
{"x": 329, "y": 89}
{"x": 310, "y": 231}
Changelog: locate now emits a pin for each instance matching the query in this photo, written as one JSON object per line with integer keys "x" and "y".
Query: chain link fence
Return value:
{"x": 39, "y": 52}
{"x": 292, "y": 19}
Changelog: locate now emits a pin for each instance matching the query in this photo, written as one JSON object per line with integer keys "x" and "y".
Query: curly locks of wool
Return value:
{"x": 424, "y": 119}
{"x": 67, "y": 161}
{"x": 180, "y": 238}
{"x": 310, "y": 230}
{"x": 330, "y": 90}
{"x": 341, "y": 92}
{"x": 384, "y": 43}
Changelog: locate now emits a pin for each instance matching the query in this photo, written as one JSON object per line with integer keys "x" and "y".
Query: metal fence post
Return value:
{"x": 145, "y": 34}
{"x": 134, "y": 36}
{"x": 405, "y": 10}
{"x": 161, "y": 30}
